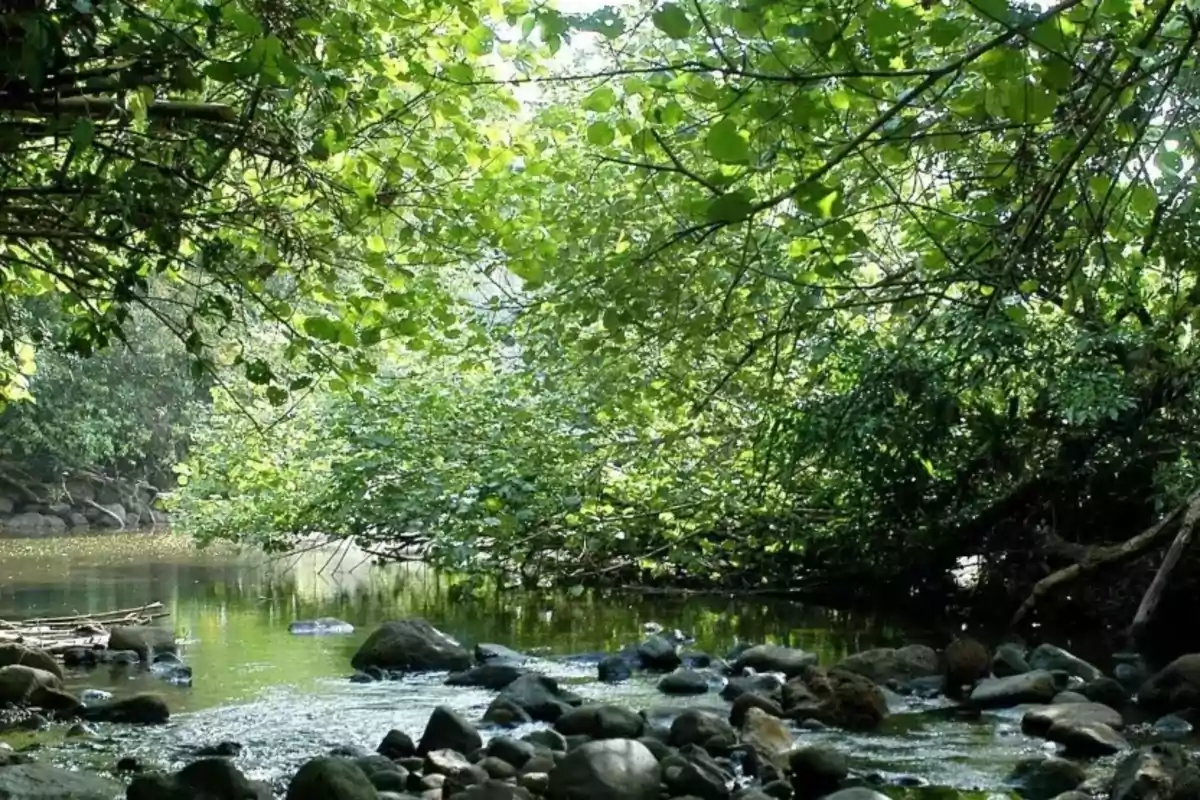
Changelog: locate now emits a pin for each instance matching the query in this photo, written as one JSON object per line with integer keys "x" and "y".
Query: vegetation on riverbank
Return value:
{"x": 824, "y": 297}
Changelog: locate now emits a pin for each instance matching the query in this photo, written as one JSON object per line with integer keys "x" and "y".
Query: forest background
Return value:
{"x": 834, "y": 298}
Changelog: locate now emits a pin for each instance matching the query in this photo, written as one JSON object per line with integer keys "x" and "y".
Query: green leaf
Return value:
{"x": 322, "y": 328}
{"x": 726, "y": 144}
{"x": 376, "y": 244}
{"x": 840, "y": 100}
{"x": 479, "y": 40}
{"x": 731, "y": 207}
{"x": 1143, "y": 199}
{"x": 601, "y": 100}
{"x": 600, "y": 134}
{"x": 82, "y": 133}
{"x": 1029, "y": 286}
{"x": 672, "y": 20}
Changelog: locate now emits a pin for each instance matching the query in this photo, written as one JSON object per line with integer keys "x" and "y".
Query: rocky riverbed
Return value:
{"x": 656, "y": 720}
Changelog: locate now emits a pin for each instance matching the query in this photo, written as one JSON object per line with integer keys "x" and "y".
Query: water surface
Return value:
{"x": 287, "y": 698}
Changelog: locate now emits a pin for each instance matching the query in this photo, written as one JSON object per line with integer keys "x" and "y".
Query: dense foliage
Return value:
{"x": 830, "y": 293}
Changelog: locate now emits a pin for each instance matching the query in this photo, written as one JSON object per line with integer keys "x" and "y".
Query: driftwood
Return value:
{"x": 1100, "y": 557}
{"x": 56, "y": 634}
{"x": 1150, "y": 599}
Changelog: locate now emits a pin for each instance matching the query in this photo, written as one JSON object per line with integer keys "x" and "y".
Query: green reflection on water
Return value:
{"x": 234, "y": 608}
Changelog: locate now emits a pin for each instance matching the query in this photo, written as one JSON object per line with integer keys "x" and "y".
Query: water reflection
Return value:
{"x": 234, "y": 609}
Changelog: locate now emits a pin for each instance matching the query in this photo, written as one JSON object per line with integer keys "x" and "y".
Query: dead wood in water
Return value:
{"x": 1153, "y": 594}
{"x": 1099, "y": 557}
{"x": 56, "y": 634}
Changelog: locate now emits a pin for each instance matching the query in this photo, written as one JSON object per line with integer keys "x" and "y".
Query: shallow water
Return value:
{"x": 287, "y": 698}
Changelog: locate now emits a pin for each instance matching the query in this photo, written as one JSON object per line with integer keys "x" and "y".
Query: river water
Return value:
{"x": 287, "y": 698}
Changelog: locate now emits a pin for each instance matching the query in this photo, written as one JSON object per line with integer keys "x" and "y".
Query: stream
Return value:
{"x": 287, "y": 698}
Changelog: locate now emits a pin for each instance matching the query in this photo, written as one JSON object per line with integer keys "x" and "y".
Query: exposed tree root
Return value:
{"x": 1100, "y": 557}
{"x": 1150, "y": 600}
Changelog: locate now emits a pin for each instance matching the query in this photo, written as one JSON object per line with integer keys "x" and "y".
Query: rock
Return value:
{"x": 322, "y": 626}
{"x": 613, "y": 669}
{"x": 32, "y": 523}
{"x": 44, "y": 782}
{"x": 885, "y": 664}
{"x": 412, "y": 645}
{"x": 505, "y": 713}
{"x": 1131, "y": 671}
{"x": 774, "y": 658}
{"x": 511, "y": 751}
{"x": 683, "y": 681}
{"x": 966, "y": 663}
{"x": 82, "y": 656}
{"x": 215, "y": 778}
{"x": 493, "y": 676}
{"x": 1051, "y": 658}
{"x": 486, "y": 653}
{"x": 145, "y": 640}
{"x": 1173, "y": 688}
{"x": 1043, "y": 778}
{"x": 396, "y": 744}
{"x": 138, "y": 709}
{"x": 693, "y": 773}
{"x": 448, "y": 730}
{"x": 536, "y": 782}
{"x": 659, "y": 653}
{"x": 494, "y": 790}
{"x": 1105, "y": 690}
{"x": 695, "y": 726}
{"x": 767, "y": 735}
{"x": 766, "y": 684}
{"x": 843, "y": 699}
{"x": 748, "y": 701}
{"x": 817, "y": 770}
{"x": 1037, "y": 721}
{"x": 21, "y": 685}
{"x": 1009, "y": 659}
{"x": 222, "y": 749}
{"x": 11, "y": 654}
{"x": 1156, "y": 772}
{"x": 538, "y": 696}
{"x": 1087, "y": 738}
{"x": 612, "y": 769}
{"x": 1068, "y": 697}
{"x": 550, "y": 739}
{"x": 600, "y": 722}
{"x": 1172, "y": 726}
{"x": 1037, "y": 686}
{"x": 328, "y": 778}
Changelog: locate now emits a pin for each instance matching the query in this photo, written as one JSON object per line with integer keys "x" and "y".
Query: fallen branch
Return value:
{"x": 1102, "y": 557}
{"x": 103, "y": 510}
{"x": 1150, "y": 599}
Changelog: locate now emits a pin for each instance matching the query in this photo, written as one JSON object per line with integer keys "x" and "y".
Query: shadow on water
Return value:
{"x": 286, "y": 698}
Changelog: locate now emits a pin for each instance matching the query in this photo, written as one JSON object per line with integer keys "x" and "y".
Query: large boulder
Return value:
{"x": 1173, "y": 688}
{"x": 695, "y": 726}
{"x": 817, "y": 770}
{"x": 659, "y": 653}
{"x": 21, "y": 685}
{"x": 836, "y": 697}
{"x": 767, "y": 734}
{"x": 449, "y": 730}
{"x": 885, "y": 664}
{"x": 600, "y": 722}
{"x": 1055, "y": 659}
{"x": 330, "y": 778}
{"x": 1039, "y": 720}
{"x": 494, "y": 676}
{"x": 775, "y": 658}
{"x": 33, "y": 523}
{"x": 1041, "y": 778}
{"x": 1157, "y": 772}
{"x": 413, "y": 645}
{"x": 1037, "y": 686}
{"x": 145, "y": 640}
{"x": 44, "y": 782}
{"x": 138, "y": 709}
{"x": 538, "y": 696}
{"x": 611, "y": 769}
{"x": 30, "y": 657}
{"x": 1009, "y": 659}
{"x": 207, "y": 779}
